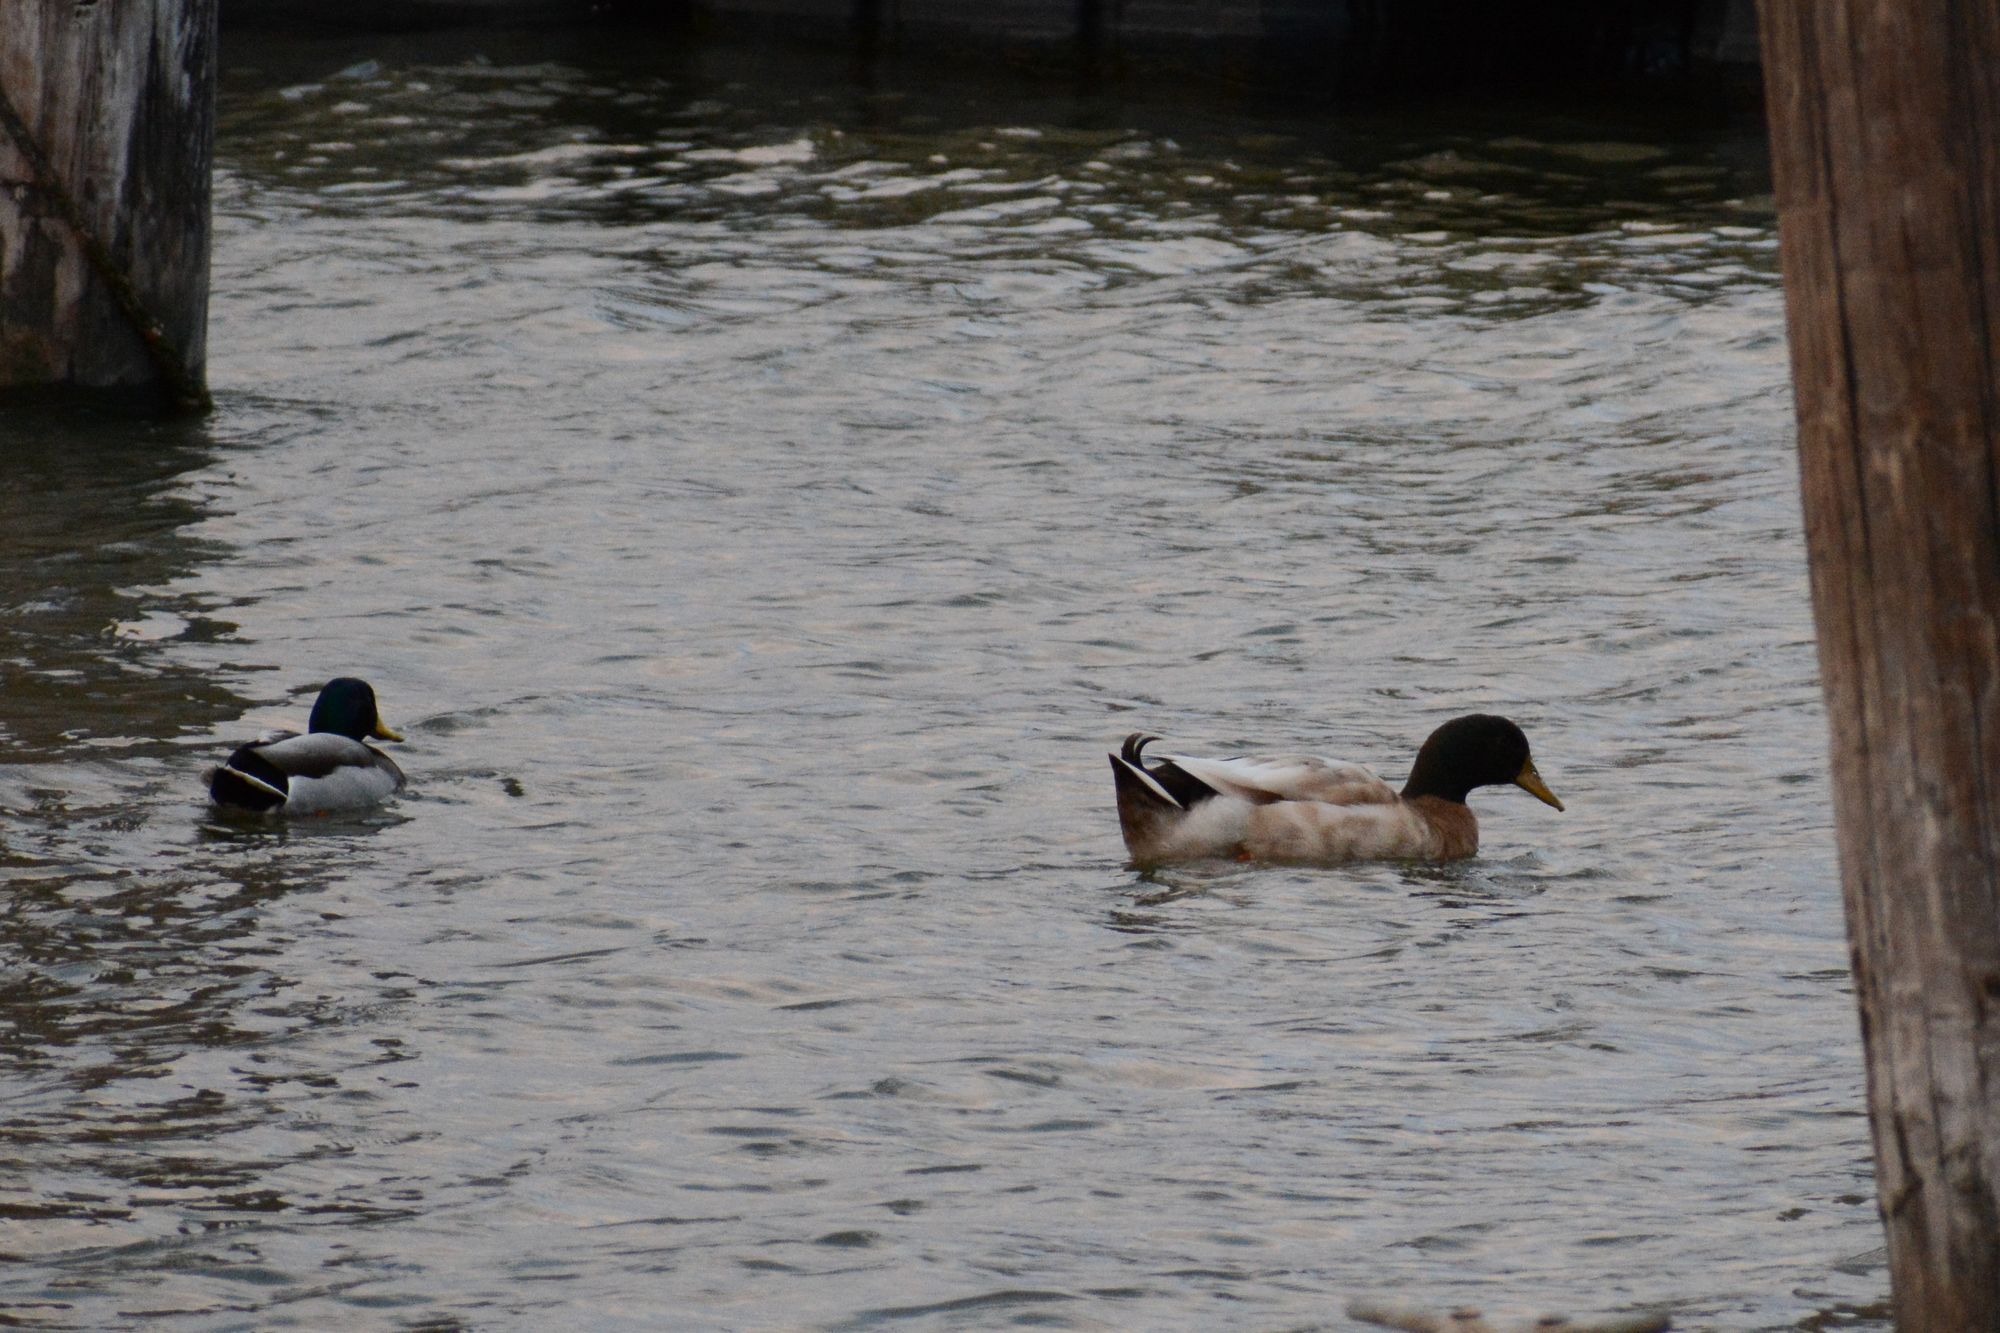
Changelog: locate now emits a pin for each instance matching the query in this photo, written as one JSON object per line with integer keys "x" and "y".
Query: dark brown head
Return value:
{"x": 1476, "y": 751}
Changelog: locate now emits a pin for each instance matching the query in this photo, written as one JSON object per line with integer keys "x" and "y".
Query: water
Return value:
{"x": 762, "y": 499}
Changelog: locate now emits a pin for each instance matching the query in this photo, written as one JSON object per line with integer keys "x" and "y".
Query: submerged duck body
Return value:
{"x": 1306, "y": 810}
{"x": 331, "y": 769}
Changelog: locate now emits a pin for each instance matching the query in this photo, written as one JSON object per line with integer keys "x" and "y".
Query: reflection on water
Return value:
{"x": 761, "y": 500}
{"x": 95, "y": 571}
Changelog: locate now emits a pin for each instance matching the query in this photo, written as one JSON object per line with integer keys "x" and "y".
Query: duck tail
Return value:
{"x": 248, "y": 782}
{"x": 1150, "y": 801}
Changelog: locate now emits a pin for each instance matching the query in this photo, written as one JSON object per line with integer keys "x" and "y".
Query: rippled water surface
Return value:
{"x": 762, "y": 499}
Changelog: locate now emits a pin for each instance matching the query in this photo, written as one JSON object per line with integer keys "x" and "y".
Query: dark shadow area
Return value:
{"x": 94, "y": 560}
{"x": 1285, "y": 51}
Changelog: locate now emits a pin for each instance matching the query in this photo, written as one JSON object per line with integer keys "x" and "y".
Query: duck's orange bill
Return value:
{"x": 383, "y": 732}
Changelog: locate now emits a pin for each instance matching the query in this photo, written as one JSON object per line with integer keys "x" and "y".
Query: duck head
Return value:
{"x": 346, "y": 707}
{"x": 1476, "y": 751}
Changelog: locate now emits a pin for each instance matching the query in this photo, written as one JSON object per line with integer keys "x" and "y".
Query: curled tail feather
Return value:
{"x": 1151, "y": 801}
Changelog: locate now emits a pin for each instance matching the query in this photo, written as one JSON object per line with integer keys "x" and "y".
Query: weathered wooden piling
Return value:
{"x": 107, "y": 129}
{"x": 1885, "y": 132}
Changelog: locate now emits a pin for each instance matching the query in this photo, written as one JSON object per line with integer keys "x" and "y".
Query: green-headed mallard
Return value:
{"x": 330, "y": 769}
{"x": 1306, "y": 810}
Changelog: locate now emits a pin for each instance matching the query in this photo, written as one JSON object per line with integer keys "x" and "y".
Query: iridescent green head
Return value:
{"x": 346, "y": 707}
{"x": 1476, "y": 751}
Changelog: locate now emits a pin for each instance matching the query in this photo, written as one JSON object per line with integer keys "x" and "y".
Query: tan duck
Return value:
{"x": 1310, "y": 811}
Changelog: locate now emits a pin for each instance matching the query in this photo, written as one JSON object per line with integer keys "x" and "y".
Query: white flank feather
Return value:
{"x": 326, "y": 773}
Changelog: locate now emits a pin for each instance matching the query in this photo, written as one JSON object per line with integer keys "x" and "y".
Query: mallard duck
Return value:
{"x": 1306, "y": 810}
{"x": 330, "y": 769}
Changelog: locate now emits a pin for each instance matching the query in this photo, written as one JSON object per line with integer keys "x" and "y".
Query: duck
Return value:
{"x": 1304, "y": 810}
{"x": 330, "y": 770}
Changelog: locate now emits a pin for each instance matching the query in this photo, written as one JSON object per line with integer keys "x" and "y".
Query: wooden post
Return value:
{"x": 1885, "y": 134}
{"x": 107, "y": 127}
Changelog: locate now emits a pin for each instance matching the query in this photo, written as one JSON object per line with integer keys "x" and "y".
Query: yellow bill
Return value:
{"x": 1529, "y": 781}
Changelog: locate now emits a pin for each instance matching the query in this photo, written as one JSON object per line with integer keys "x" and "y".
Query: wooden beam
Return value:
{"x": 1885, "y": 135}
{"x": 107, "y": 128}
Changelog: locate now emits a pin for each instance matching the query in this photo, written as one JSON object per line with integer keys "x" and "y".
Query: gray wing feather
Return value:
{"x": 328, "y": 772}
